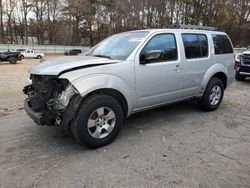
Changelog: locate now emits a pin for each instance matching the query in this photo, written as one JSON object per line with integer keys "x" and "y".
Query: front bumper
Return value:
{"x": 243, "y": 70}
{"x": 36, "y": 116}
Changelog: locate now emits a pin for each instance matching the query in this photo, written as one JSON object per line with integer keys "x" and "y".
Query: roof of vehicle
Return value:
{"x": 180, "y": 30}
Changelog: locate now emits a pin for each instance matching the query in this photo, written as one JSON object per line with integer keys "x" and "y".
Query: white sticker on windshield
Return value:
{"x": 136, "y": 40}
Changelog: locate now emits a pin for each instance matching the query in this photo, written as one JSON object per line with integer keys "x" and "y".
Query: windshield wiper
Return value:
{"x": 104, "y": 56}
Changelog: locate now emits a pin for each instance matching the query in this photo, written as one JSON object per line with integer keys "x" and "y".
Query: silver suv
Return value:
{"x": 128, "y": 73}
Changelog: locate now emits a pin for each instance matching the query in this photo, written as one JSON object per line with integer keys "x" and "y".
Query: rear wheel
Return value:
{"x": 213, "y": 95}
{"x": 39, "y": 57}
{"x": 12, "y": 60}
{"x": 21, "y": 57}
{"x": 238, "y": 77}
{"x": 98, "y": 121}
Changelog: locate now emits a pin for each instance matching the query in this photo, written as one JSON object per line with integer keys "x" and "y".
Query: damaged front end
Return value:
{"x": 48, "y": 99}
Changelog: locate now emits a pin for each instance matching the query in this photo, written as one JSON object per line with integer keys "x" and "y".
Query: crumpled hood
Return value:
{"x": 58, "y": 66}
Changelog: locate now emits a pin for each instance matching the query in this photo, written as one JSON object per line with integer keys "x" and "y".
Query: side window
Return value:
{"x": 28, "y": 51}
{"x": 165, "y": 43}
{"x": 204, "y": 45}
{"x": 196, "y": 45}
{"x": 222, "y": 44}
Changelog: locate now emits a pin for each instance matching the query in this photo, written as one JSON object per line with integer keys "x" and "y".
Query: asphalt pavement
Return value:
{"x": 172, "y": 146}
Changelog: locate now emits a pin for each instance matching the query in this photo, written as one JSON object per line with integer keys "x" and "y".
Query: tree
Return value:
{"x": 25, "y": 7}
{"x": 39, "y": 9}
{"x": 1, "y": 22}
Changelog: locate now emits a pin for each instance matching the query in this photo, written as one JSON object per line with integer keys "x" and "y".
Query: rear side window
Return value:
{"x": 222, "y": 44}
{"x": 196, "y": 45}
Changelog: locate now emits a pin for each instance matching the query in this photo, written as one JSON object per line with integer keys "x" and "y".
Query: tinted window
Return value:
{"x": 20, "y": 50}
{"x": 196, "y": 45}
{"x": 222, "y": 44}
{"x": 166, "y": 44}
{"x": 203, "y": 45}
{"x": 74, "y": 52}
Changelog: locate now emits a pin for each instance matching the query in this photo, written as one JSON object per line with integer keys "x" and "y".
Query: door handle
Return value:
{"x": 178, "y": 68}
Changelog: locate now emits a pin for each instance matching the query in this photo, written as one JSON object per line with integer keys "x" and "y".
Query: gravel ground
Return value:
{"x": 172, "y": 146}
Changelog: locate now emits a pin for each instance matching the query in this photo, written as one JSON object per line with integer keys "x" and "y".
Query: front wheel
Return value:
{"x": 98, "y": 121}
{"x": 213, "y": 95}
{"x": 12, "y": 60}
{"x": 39, "y": 57}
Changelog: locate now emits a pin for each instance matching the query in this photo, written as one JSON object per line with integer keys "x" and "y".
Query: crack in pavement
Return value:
{"x": 141, "y": 174}
{"x": 46, "y": 172}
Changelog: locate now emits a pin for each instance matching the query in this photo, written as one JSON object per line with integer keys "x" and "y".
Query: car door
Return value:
{"x": 79, "y": 52}
{"x": 73, "y": 52}
{"x": 27, "y": 54}
{"x": 32, "y": 53}
{"x": 196, "y": 61}
{"x": 158, "y": 81}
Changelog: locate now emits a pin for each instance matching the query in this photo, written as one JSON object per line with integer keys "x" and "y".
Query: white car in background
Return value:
{"x": 27, "y": 53}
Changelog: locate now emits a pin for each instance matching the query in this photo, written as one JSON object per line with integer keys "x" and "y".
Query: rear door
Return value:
{"x": 79, "y": 52}
{"x": 196, "y": 61}
{"x": 73, "y": 52}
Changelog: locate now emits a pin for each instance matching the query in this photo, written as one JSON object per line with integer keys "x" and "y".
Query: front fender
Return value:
{"x": 90, "y": 83}
{"x": 216, "y": 68}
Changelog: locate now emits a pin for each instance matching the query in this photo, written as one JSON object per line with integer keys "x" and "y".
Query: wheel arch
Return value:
{"x": 106, "y": 84}
{"x": 217, "y": 71}
{"x": 71, "y": 111}
{"x": 114, "y": 93}
{"x": 222, "y": 76}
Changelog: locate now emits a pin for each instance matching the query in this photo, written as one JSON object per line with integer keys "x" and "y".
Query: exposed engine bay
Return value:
{"x": 48, "y": 97}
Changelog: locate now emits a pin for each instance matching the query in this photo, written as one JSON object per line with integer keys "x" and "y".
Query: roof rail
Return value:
{"x": 195, "y": 27}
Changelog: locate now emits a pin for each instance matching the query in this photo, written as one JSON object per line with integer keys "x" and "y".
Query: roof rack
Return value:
{"x": 194, "y": 27}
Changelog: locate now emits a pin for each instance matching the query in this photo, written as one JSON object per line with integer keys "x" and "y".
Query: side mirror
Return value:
{"x": 151, "y": 56}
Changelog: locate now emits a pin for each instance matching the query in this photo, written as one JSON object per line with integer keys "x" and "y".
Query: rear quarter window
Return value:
{"x": 222, "y": 44}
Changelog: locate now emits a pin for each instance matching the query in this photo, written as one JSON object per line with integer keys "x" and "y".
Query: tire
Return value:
{"x": 239, "y": 77}
{"x": 39, "y": 57}
{"x": 213, "y": 95}
{"x": 86, "y": 125}
{"x": 21, "y": 57}
{"x": 12, "y": 60}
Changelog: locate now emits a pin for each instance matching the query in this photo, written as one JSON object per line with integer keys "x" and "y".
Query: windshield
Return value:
{"x": 118, "y": 46}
